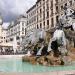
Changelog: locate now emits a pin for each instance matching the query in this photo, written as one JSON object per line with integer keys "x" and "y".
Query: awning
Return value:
{"x": 6, "y": 45}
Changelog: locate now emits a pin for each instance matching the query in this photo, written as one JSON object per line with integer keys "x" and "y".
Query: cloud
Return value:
{"x": 5, "y": 25}
{"x": 10, "y": 9}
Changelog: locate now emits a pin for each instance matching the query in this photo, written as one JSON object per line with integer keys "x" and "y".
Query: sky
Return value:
{"x": 10, "y": 9}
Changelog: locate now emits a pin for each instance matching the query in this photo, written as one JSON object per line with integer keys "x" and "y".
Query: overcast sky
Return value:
{"x": 10, "y": 9}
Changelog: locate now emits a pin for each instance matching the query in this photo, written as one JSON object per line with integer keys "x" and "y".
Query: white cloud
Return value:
{"x": 12, "y": 8}
{"x": 5, "y": 25}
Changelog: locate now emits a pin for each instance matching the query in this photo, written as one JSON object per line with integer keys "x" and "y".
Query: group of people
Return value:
{"x": 6, "y": 52}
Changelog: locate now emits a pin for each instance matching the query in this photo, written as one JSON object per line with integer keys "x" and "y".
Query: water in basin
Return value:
{"x": 16, "y": 65}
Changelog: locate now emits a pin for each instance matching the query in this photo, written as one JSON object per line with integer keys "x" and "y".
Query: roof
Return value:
{"x": 16, "y": 21}
{"x": 31, "y": 8}
{"x": 38, "y": 1}
{"x": 6, "y": 45}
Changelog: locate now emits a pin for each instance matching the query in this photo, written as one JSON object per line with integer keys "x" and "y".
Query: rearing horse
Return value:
{"x": 68, "y": 22}
{"x": 58, "y": 40}
{"x": 68, "y": 19}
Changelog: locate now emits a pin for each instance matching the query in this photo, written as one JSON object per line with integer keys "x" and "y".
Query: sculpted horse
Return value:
{"x": 68, "y": 19}
{"x": 58, "y": 42}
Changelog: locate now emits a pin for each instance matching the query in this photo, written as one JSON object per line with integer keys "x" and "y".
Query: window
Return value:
{"x": 40, "y": 3}
{"x": 17, "y": 38}
{"x": 57, "y": 18}
{"x": 56, "y": 1}
{"x": 52, "y": 4}
{"x": 57, "y": 9}
{"x": 22, "y": 29}
{"x": 47, "y": 23}
{"x": 47, "y": 6}
{"x": 51, "y": 12}
{"x": 6, "y": 41}
{"x": 61, "y": 7}
{"x": 22, "y": 32}
{"x": 4, "y": 37}
{"x": 40, "y": 25}
{"x": 52, "y": 22}
{"x": 37, "y": 18}
{"x": 11, "y": 39}
{"x": 40, "y": 11}
{"x": 44, "y": 24}
{"x": 48, "y": 14}
{"x": 43, "y": 15}
{"x": 37, "y": 27}
{"x": 18, "y": 43}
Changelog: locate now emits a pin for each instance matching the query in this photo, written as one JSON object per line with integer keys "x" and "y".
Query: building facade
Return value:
{"x": 31, "y": 19}
{"x": 47, "y": 13}
{"x": 1, "y": 22}
{"x": 2, "y": 32}
{"x": 3, "y": 41}
{"x": 16, "y": 32}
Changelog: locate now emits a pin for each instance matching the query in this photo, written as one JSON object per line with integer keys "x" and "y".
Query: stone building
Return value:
{"x": 1, "y": 22}
{"x": 3, "y": 42}
{"x": 31, "y": 19}
{"x": 16, "y": 32}
{"x": 45, "y": 13}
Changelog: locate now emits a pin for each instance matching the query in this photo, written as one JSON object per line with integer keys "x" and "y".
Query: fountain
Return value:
{"x": 66, "y": 21}
{"x": 57, "y": 50}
